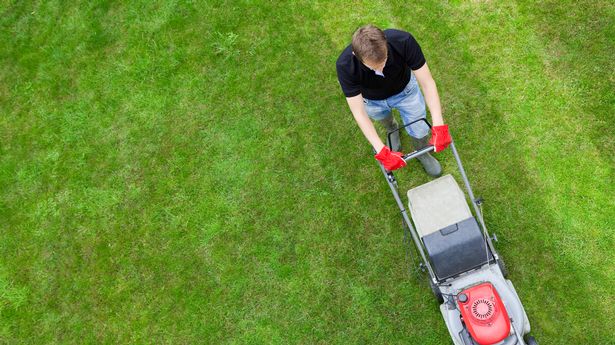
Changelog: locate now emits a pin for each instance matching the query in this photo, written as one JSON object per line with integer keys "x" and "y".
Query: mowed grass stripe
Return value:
{"x": 588, "y": 174}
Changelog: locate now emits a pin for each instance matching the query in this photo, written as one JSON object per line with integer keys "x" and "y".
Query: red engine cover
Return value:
{"x": 484, "y": 314}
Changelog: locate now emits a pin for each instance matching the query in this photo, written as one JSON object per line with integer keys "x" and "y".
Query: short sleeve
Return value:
{"x": 413, "y": 54}
{"x": 351, "y": 85}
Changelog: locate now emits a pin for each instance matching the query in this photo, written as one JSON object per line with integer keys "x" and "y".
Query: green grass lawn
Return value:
{"x": 188, "y": 172}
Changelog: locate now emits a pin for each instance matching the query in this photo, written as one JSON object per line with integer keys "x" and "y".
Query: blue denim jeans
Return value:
{"x": 409, "y": 102}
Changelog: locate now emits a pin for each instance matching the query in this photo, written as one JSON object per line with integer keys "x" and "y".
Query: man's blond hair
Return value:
{"x": 369, "y": 44}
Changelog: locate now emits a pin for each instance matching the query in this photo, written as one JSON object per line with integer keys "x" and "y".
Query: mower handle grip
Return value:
{"x": 417, "y": 153}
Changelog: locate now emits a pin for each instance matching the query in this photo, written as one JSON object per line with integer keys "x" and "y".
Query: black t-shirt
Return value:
{"x": 404, "y": 53}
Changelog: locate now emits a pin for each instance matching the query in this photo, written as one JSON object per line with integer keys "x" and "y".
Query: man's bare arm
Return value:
{"x": 430, "y": 91}
{"x": 367, "y": 127}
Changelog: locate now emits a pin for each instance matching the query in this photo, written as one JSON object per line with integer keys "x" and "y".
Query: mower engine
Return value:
{"x": 484, "y": 314}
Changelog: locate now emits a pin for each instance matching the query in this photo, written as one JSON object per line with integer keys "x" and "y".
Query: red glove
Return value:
{"x": 390, "y": 160}
{"x": 440, "y": 138}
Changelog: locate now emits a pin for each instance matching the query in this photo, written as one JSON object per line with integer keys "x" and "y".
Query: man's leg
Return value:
{"x": 380, "y": 111}
{"x": 411, "y": 105}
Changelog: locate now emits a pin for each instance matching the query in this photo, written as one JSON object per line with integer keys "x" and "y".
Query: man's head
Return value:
{"x": 370, "y": 46}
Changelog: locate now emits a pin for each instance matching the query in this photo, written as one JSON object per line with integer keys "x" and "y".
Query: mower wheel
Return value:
{"x": 436, "y": 292}
{"x": 529, "y": 340}
{"x": 503, "y": 267}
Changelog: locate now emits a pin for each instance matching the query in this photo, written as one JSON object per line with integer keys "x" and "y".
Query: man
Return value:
{"x": 379, "y": 72}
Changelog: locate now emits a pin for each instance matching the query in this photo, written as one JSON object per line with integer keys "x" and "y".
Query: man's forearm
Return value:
{"x": 369, "y": 131}
{"x": 430, "y": 91}
{"x": 365, "y": 124}
{"x": 433, "y": 102}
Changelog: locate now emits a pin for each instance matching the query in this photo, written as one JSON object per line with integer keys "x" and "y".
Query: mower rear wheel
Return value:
{"x": 529, "y": 340}
{"x": 436, "y": 292}
{"x": 503, "y": 267}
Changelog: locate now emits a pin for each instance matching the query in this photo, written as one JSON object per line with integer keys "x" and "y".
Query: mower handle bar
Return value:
{"x": 414, "y": 154}
{"x": 404, "y": 126}
{"x": 417, "y": 153}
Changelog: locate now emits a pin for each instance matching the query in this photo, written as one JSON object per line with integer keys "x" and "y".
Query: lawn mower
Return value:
{"x": 466, "y": 274}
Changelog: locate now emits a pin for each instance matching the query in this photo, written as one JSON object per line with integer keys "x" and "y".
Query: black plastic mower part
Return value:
{"x": 457, "y": 248}
{"x": 502, "y": 267}
{"x": 529, "y": 340}
{"x": 436, "y": 292}
{"x": 465, "y": 336}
